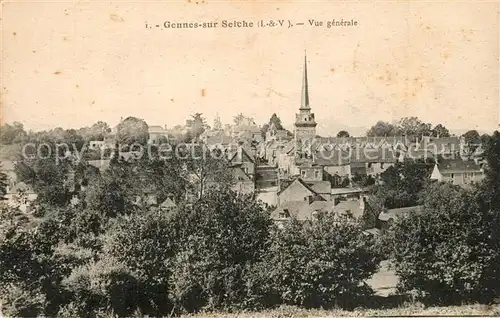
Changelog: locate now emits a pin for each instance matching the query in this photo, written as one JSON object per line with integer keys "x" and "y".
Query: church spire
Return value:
{"x": 304, "y": 102}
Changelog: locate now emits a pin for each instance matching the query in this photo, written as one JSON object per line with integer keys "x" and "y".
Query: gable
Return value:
{"x": 296, "y": 191}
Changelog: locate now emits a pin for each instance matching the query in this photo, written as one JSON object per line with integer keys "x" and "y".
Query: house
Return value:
{"x": 340, "y": 194}
{"x": 156, "y": 134}
{"x": 168, "y": 204}
{"x": 335, "y": 163}
{"x": 309, "y": 171}
{"x": 352, "y": 208}
{"x": 388, "y": 216}
{"x": 298, "y": 190}
{"x": 267, "y": 184}
{"x": 243, "y": 182}
{"x": 243, "y": 157}
{"x": 458, "y": 171}
{"x": 371, "y": 161}
{"x": 322, "y": 188}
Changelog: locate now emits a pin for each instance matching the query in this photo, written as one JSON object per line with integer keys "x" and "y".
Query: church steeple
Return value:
{"x": 304, "y": 102}
{"x": 305, "y": 123}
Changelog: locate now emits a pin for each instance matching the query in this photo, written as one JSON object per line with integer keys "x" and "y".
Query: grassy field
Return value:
{"x": 404, "y": 311}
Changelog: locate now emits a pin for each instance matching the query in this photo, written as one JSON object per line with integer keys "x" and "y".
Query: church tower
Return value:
{"x": 305, "y": 124}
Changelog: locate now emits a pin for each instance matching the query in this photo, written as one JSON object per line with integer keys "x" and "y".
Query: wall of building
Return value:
{"x": 268, "y": 195}
{"x": 295, "y": 192}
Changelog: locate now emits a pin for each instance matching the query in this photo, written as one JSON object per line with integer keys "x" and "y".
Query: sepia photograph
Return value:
{"x": 200, "y": 158}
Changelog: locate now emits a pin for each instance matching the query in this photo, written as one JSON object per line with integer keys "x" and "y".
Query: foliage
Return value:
{"x": 440, "y": 131}
{"x": 223, "y": 234}
{"x": 402, "y": 183}
{"x": 449, "y": 253}
{"x": 102, "y": 286}
{"x": 11, "y": 134}
{"x": 318, "y": 263}
{"x": 343, "y": 134}
{"x": 383, "y": 129}
{"x": 132, "y": 130}
{"x": 472, "y": 140}
{"x": 146, "y": 243}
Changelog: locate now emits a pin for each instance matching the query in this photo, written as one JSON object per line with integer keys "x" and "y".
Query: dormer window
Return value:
{"x": 285, "y": 214}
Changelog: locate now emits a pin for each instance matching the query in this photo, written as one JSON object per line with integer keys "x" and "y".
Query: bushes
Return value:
{"x": 320, "y": 263}
{"x": 449, "y": 253}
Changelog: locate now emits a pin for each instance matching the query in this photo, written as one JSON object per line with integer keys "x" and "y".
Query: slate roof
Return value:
{"x": 320, "y": 187}
{"x": 399, "y": 212}
{"x": 458, "y": 166}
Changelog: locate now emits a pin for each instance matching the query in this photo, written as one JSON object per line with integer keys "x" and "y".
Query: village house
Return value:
{"x": 458, "y": 171}
{"x": 157, "y": 134}
{"x": 267, "y": 184}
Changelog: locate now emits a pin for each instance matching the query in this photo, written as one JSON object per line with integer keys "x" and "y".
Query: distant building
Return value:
{"x": 458, "y": 171}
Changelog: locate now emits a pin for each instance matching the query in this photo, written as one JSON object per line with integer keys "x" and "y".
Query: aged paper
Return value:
{"x": 71, "y": 63}
{"x": 276, "y": 158}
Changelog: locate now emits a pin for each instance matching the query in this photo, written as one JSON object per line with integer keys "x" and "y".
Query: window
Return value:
{"x": 303, "y": 173}
{"x": 369, "y": 165}
{"x": 316, "y": 174}
{"x": 273, "y": 183}
{"x": 381, "y": 165}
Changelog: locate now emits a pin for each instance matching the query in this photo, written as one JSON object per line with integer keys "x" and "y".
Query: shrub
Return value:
{"x": 318, "y": 263}
{"x": 450, "y": 252}
{"x": 102, "y": 286}
{"x": 145, "y": 243}
{"x": 223, "y": 235}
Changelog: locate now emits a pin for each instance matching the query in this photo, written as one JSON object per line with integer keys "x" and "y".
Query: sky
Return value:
{"x": 71, "y": 63}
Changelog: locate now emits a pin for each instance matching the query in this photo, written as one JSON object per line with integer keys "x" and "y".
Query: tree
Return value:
{"x": 402, "y": 184}
{"x": 343, "y": 134}
{"x": 239, "y": 119}
{"x": 223, "y": 235}
{"x": 382, "y": 129}
{"x": 450, "y": 252}
{"x": 317, "y": 263}
{"x": 412, "y": 126}
{"x": 197, "y": 125}
{"x": 472, "y": 140}
{"x": 440, "y": 131}
{"x": 10, "y": 134}
{"x": 491, "y": 186}
{"x": 207, "y": 169}
{"x": 3, "y": 184}
{"x": 276, "y": 121}
{"x": 132, "y": 130}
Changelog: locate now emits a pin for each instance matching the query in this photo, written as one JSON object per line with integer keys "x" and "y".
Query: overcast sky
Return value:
{"x": 70, "y": 64}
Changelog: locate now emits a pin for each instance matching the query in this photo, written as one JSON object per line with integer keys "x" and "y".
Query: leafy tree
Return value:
{"x": 3, "y": 185}
{"x": 10, "y": 134}
{"x": 343, "y": 134}
{"x": 440, "y": 130}
{"x": 223, "y": 235}
{"x": 383, "y": 129}
{"x": 402, "y": 184}
{"x": 198, "y": 125}
{"x": 412, "y": 126}
{"x": 320, "y": 263}
{"x": 472, "y": 140}
{"x": 449, "y": 253}
{"x": 491, "y": 186}
{"x": 207, "y": 169}
{"x": 239, "y": 119}
{"x": 276, "y": 121}
{"x": 132, "y": 130}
